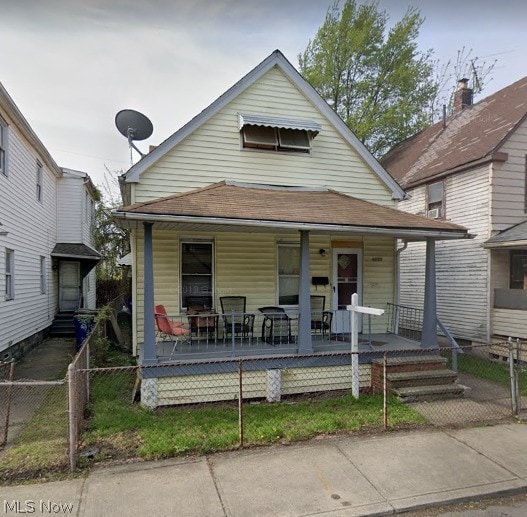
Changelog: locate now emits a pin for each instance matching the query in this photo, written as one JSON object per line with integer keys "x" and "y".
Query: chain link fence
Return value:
{"x": 201, "y": 406}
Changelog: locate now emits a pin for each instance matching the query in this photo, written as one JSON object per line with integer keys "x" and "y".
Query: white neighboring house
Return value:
{"x": 46, "y": 255}
{"x": 471, "y": 170}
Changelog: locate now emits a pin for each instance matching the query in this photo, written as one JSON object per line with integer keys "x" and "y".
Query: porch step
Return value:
{"x": 429, "y": 393}
{"x": 62, "y": 325}
{"x": 417, "y": 378}
{"x": 420, "y": 378}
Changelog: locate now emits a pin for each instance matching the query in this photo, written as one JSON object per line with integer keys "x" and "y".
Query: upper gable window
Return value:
{"x": 277, "y": 134}
{"x": 3, "y": 147}
{"x": 435, "y": 200}
{"x": 39, "y": 182}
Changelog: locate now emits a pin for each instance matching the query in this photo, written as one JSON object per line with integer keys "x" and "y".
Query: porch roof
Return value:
{"x": 513, "y": 237}
{"x": 228, "y": 206}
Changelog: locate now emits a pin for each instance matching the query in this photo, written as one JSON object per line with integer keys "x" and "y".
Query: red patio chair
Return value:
{"x": 168, "y": 330}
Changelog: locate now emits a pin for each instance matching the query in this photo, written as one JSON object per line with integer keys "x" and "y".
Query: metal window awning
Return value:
{"x": 252, "y": 119}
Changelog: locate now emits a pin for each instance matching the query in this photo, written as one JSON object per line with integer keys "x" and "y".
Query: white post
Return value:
{"x": 354, "y": 346}
{"x": 354, "y": 309}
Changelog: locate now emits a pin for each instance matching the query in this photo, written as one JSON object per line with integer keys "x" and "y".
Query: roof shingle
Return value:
{"x": 473, "y": 134}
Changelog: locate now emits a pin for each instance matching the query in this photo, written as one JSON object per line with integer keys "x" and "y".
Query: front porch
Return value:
{"x": 212, "y": 349}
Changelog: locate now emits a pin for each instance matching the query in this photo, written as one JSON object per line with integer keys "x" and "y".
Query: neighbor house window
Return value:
{"x": 435, "y": 196}
{"x": 3, "y": 147}
{"x": 276, "y": 139}
{"x": 197, "y": 277}
{"x": 39, "y": 182}
{"x": 9, "y": 274}
{"x": 518, "y": 270}
{"x": 288, "y": 274}
{"x": 43, "y": 275}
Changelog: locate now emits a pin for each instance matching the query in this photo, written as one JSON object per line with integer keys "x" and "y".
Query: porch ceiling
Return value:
{"x": 231, "y": 207}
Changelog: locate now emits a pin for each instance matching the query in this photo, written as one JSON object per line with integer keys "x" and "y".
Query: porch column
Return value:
{"x": 149, "y": 346}
{"x": 305, "y": 346}
{"x": 429, "y": 334}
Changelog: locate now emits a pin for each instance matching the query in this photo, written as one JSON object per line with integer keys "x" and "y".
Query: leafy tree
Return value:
{"x": 111, "y": 241}
{"x": 372, "y": 75}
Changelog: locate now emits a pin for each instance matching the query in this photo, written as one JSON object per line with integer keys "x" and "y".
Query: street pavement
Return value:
{"x": 377, "y": 474}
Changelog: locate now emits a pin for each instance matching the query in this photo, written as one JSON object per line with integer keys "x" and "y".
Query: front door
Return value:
{"x": 347, "y": 280}
{"x": 69, "y": 285}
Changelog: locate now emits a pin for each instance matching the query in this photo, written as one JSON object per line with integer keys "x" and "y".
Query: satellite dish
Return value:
{"x": 134, "y": 126}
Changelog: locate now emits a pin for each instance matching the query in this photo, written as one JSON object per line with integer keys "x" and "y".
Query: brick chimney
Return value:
{"x": 463, "y": 96}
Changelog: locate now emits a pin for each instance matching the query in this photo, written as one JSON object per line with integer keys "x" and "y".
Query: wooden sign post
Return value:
{"x": 355, "y": 309}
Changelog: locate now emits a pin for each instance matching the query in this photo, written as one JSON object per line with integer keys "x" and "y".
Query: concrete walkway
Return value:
{"x": 355, "y": 475}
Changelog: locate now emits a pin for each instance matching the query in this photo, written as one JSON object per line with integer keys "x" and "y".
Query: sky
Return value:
{"x": 71, "y": 65}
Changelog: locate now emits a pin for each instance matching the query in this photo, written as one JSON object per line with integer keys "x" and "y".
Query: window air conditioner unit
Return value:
{"x": 435, "y": 213}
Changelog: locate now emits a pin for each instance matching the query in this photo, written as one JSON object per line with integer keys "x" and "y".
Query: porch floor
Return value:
{"x": 211, "y": 349}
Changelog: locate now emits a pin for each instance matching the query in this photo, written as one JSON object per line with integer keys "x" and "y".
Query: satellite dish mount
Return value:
{"x": 134, "y": 126}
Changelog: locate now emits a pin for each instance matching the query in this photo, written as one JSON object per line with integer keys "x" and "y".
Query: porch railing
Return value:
{"x": 249, "y": 332}
{"x": 407, "y": 322}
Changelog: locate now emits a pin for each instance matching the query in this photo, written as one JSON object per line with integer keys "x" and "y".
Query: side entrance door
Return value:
{"x": 347, "y": 280}
{"x": 69, "y": 285}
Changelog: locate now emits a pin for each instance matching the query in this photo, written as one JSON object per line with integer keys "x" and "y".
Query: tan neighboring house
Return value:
{"x": 265, "y": 195}
{"x": 471, "y": 169}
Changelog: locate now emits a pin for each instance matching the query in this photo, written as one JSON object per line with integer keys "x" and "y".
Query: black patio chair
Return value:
{"x": 276, "y": 325}
{"x": 320, "y": 318}
{"x": 234, "y": 317}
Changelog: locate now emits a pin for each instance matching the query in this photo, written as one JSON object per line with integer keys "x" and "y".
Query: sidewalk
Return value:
{"x": 344, "y": 476}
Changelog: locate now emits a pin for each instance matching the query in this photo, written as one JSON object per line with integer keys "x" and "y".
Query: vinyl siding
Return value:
{"x": 32, "y": 227}
{"x": 225, "y": 386}
{"x": 508, "y": 183}
{"x": 509, "y": 323}
{"x": 213, "y": 152}
{"x": 462, "y": 267}
{"x": 70, "y": 206}
{"x": 245, "y": 264}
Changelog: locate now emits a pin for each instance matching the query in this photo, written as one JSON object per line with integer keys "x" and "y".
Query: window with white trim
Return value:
{"x": 197, "y": 274}
{"x": 276, "y": 139}
{"x": 288, "y": 274}
{"x": 3, "y": 147}
{"x": 9, "y": 274}
{"x": 40, "y": 185}
{"x": 435, "y": 200}
{"x": 43, "y": 275}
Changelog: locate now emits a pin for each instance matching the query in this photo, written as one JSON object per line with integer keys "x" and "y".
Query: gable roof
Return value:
{"x": 471, "y": 137}
{"x": 244, "y": 204}
{"x": 275, "y": 59}
{"x": 8, "y": 104}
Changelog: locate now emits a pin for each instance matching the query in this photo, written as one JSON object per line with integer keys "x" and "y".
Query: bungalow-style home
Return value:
{"x": 470, "y": 169}
{"x": 253, "y": 225}
{"x": 46, "y": 252}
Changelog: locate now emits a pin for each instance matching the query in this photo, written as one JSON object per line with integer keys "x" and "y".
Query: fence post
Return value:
{"x": 240, "y": 401}
{"x": 385, "y": 392}
{"x": 8, "y": 406}
{"x": 517, "y": 377}
{"x": 512, "y": 377}
{"x": 72, "y": 416}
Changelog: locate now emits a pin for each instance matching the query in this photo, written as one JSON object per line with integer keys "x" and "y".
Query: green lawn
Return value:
{"x": 120, "y": 428}
{"x": 42, "y": 445}
{"x": 491, "y": 370}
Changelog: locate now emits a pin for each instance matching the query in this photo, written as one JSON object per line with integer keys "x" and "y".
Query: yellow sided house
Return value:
{"x": 252, "y": 226}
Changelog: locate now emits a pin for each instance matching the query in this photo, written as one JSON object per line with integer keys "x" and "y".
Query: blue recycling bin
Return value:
{"x": 84, "y": 321}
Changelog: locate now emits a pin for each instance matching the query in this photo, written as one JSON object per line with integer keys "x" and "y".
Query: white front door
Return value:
{"x": 69, "y": 285}
{"x": 347, "y": 280}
